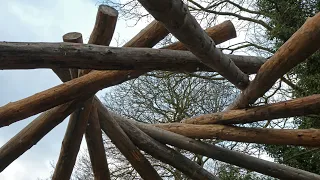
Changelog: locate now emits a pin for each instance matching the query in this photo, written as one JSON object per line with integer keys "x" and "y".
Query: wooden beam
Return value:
{"x": 95, "y": 147}
{"x": 153, "y": 33}
{"x": 164, "y": 153}
{"x": 177, "y": 19}
{"x": 125, "y": 145}
{"x": 296, "y": 107}
{"x": 232, "y": 157}
{"x": 71, "y": 143}
{"x": 35, "y": 131}
{"x": 38, "y": 128}
{"x": 73, "y": 37}
{"x": 66, "y": 55}
{"x": 89, "y": 83}
{"x": 296, "y": 137}
{"x": 219, "y": 33}
{"x": 302, "y": 44}
{"x": 102, "y": 34}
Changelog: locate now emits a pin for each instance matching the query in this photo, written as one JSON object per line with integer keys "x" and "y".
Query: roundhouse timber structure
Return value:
{"x": 85, "y": 69}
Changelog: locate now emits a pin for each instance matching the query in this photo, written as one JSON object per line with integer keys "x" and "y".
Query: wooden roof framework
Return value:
{"x": 85, "y": 69}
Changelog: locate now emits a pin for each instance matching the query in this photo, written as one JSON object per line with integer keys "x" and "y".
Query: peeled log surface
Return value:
{"x": 71, "y": 142}
{"x": 298, "y": 48}
{"x": 104, "y": 26}
{"x": 125, "y": 145}
{"x": 232, "y": 157}
{"x": 153, "y": 33}
{"x": 296, "y": 107}
{"x": 102, "y": 34}
{"x": 89, "y": 83}
{"x": 38, "y": 128}
{"x": 298, "y": 137}
{"x": 35, "y": 131}
{"x": 71, "y": 55}
{"x": 95, "y": 147}
{"x": 219, "y": 33}
{"x": 164, "y": 153}
{"x": 177, "y": 19}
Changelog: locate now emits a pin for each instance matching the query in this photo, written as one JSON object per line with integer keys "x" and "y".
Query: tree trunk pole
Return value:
{"x": 177, "y": 19}
{"x": 302, "y": 44}
{"x": 296, "y": 107}
{"x": 125, "y": 145}
{"x": 163, "y": 153}
{"x": 232, "y": 157}
{"x": 50, "y": 55}
{"x": 296, "y": 137}
{"x": 70, "y": 90}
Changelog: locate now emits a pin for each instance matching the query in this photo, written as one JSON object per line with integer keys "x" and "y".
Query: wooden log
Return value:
{"x": 302, "y": 44}
{"x": 73, "y": 37}
{"x": 105, "y": 24}
{"x": 38, "y": 128}
{"x": 219, "y": 33}
{"x": 50, "y": 55}
{"x": 76, "y": 127}
{"x": 297, "y": 137}
{"x": 125, "y": 145}
{"x": 232, "y": 157}
{"x": 102, "y": 33}
{"x": 164, "y": 153}
{"x": 154, "y": 29}
{"x": 71, "y": 143}
{"x": 35, "y": 131}
{"x": 177, "y": 19}
{"x": 89, "y": 83}
{"x": 95, "y": 147}
{"x": 296, "y": 107}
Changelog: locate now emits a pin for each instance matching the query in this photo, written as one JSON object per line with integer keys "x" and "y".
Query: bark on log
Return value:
{"x": 297, "y": 137}
{"x": 89, "y": 83}
{"x": 38, "y": 128}
{"x": 302, "y": 44}
{"x": 164, "y": 153}
{"x": 73, "y": 37}
{"x": 219, "y": 33}
{"x": 95, "y": 147}
{"x": 296, "y": 107}
{"x": 125, "y": 145}
{"x": 222, "y": 154}
{"x": 71, "y": 143}
{"x": 177, "y": 19}
{"x": 102, "y": 34}
{"x": 63, "y": 55}
{"x": 35, "y": 131}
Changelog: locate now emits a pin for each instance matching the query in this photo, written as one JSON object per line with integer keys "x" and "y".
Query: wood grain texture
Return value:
{"x": 215, "y": 152}
{"x": 120, "y": 139}
{"x": 302, "y": 44}
{"x": 89, "y": 83}
{"x": 296, "y": 107}
{"x": 219, "y": 33}
{"x": 177, "y": 19}
{"x": 67, "y": 55}
{"x": 296, "y": 137}
{"x": 164, "y": 153}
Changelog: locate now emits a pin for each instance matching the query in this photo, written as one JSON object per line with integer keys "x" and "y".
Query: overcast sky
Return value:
{"x": 41, "y": 21}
